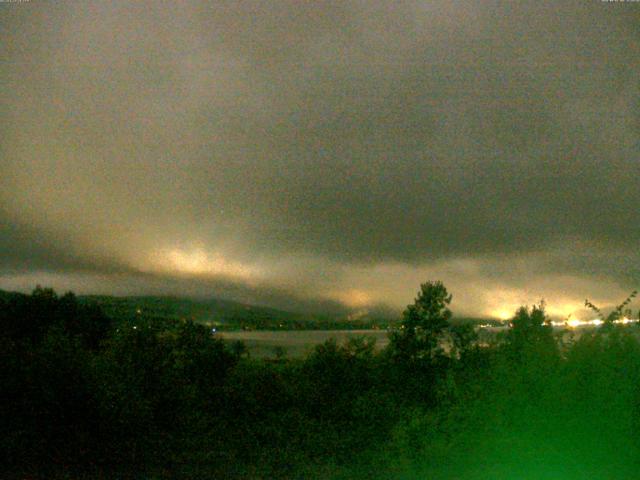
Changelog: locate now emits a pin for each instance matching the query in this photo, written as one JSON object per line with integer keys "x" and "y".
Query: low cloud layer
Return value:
{"x": 324, "y": 153}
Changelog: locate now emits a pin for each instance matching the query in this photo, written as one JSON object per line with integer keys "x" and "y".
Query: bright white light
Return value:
{"x": 625, "y": 320}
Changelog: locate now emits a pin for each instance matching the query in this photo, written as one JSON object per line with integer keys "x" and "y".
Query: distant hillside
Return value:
{"x": 226, "y": 314}
{"x": 231, "y": 315}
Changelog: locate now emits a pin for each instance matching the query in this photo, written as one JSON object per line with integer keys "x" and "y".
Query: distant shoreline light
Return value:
{"x": 596, "y": 322}
{"x": 575, "y": 323}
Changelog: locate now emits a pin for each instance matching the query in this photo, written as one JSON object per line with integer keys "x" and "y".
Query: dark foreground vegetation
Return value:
{"x": 89, "y": 396}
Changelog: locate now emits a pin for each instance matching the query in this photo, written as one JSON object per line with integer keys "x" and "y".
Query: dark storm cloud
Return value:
{"x": 289, "y": 143}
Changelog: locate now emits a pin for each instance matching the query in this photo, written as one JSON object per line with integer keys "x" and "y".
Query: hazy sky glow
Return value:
{"x": 318, "y": 154}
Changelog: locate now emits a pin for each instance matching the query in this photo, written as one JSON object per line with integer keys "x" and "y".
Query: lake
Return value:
{"x": 297, "y": 343}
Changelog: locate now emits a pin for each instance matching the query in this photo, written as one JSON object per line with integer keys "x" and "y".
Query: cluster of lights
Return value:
{"x": 488, "y": 325}
{"x": 574, "y": 323}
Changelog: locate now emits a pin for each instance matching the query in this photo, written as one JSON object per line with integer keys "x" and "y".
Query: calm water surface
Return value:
{"x": 297, "y": 343}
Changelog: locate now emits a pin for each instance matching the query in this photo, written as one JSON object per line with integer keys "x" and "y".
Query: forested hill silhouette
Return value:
{"x": 232, "y": 315}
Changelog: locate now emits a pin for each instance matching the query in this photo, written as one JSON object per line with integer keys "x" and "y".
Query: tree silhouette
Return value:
{"x": 530, "y": 339}
{"x": 423, "y": 324}
{"x": 617, "y": 313}
{"x": 463, "y": 337}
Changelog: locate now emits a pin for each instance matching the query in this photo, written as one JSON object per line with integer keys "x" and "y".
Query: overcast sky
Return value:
{"x": 317, "y": 154}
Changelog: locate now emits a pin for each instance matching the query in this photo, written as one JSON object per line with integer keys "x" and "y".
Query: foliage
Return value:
{"x": 423, "y": 323}
{"x": 30, "y": 317}
{"x": 617, "y": 313}
{"x": 463, "y": 337}
{"x": 531, "y": 334}
{"x": 137, "y": 397}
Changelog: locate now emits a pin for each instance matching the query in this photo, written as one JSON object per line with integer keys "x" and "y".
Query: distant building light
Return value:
{"x": 625, "y": 320}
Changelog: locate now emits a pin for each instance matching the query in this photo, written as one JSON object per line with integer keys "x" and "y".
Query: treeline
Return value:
{"x": 85, "y": 395}
{"x": 228, "y": 315}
